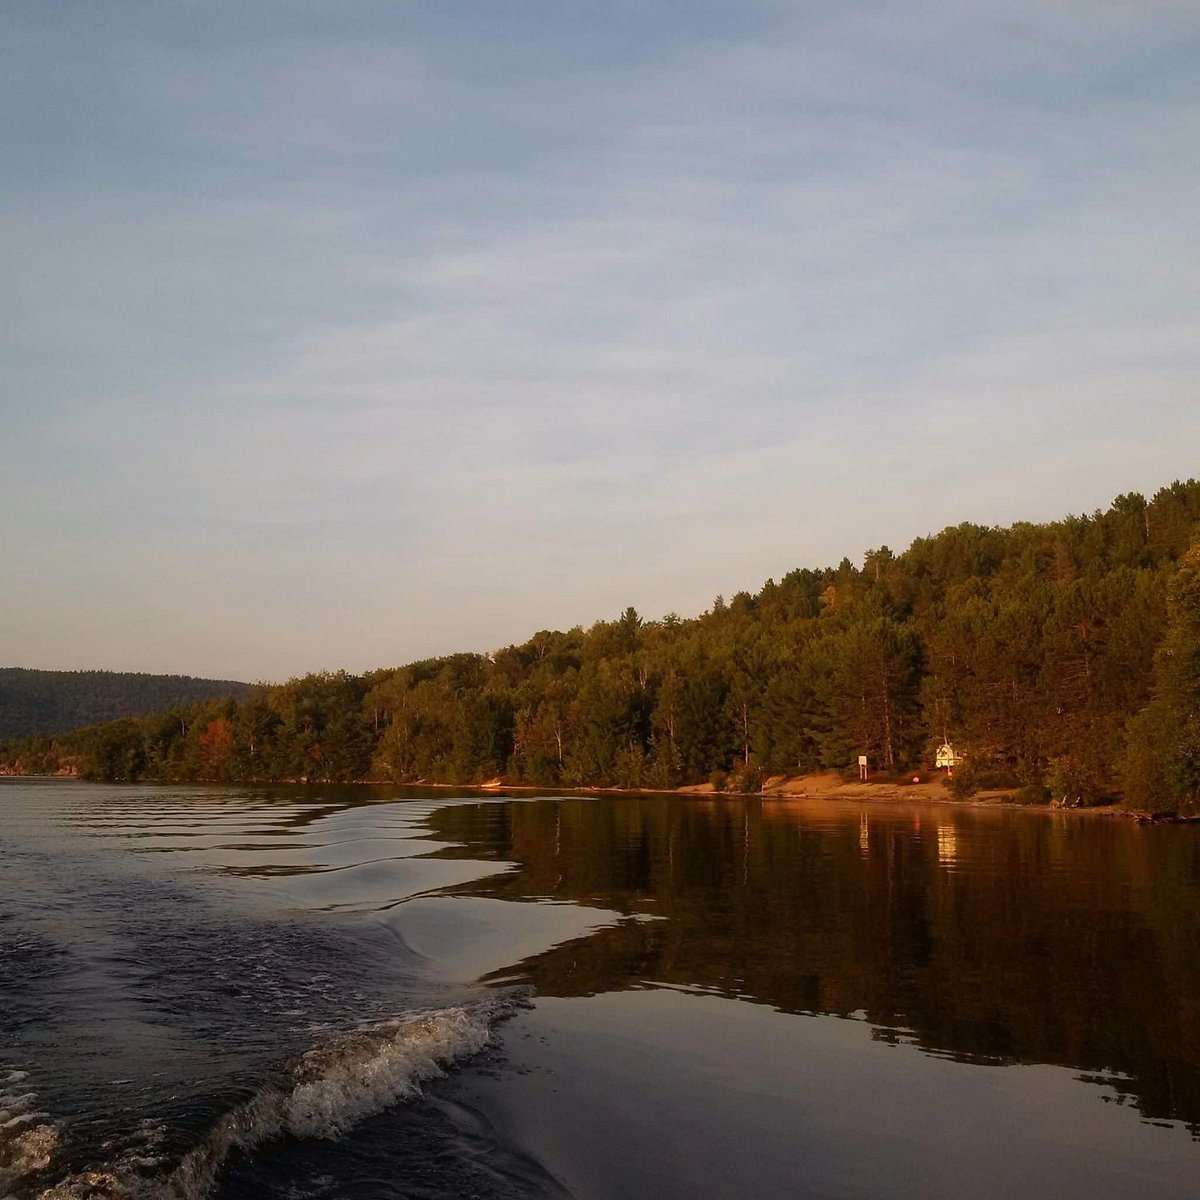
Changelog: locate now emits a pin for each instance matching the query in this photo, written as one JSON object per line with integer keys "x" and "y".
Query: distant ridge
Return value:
{"x": 42, "y": 702}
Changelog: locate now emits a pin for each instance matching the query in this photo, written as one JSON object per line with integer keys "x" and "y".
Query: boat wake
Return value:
{"x": 27, "y": 1139}
{"x": 324, "y": 1093}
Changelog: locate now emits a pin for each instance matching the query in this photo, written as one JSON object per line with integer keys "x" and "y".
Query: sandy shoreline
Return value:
{"x": 826, "y": 786}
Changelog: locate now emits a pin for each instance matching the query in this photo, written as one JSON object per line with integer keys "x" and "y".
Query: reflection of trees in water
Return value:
{"x": 1006, "y": 937}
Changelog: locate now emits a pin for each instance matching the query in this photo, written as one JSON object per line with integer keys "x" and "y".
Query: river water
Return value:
{"x": 361, "y": 992}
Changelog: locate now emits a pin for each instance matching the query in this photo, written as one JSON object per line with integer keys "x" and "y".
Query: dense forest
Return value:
{"x": 53, "y": 701}
{"x": 1063, "y": 659}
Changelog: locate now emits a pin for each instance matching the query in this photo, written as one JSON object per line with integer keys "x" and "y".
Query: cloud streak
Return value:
{"x": 343, "y": 339}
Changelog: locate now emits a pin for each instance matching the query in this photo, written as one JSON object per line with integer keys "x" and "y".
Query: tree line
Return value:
{"x": 1063, "y": 660}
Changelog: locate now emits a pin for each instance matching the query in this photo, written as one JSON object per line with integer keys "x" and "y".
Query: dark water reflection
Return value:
{"x": 988, "y": 936}
{"x": 172, "y": 959}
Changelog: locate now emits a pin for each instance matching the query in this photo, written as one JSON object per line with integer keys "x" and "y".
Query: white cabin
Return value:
{"x": 947, "y": 757}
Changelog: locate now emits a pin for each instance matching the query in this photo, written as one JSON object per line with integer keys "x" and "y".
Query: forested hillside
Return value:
{"x": 54, "y": 701}
{"x": 1063, "y": 659}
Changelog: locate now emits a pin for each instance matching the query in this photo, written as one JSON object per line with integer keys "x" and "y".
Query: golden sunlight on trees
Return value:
{"x": 1063, "y": 660}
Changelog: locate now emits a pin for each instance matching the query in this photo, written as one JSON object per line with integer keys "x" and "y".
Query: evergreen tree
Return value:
{"x": 1162, "y": 766}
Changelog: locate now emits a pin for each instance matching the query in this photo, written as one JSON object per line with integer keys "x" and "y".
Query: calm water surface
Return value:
{"x": 376, "y": 993}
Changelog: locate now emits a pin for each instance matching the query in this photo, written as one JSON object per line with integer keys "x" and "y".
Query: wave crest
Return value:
{"x": 327, "y": 1091}
{"x": 364, "y": 1072}
{"x": 27, "y": 1139}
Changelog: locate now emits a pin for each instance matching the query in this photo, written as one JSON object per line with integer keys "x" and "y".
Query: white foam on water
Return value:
{"x": 361, "y": 1074}
{"x": 328, "y": 1090}
{"x": 27, "y": 1138}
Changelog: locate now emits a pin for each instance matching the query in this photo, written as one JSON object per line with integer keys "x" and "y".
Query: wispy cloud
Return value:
{"x": 336, "y": 339}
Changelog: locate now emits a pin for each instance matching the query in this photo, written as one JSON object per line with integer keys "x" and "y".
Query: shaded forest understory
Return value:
{"x": 1062, "y": 659}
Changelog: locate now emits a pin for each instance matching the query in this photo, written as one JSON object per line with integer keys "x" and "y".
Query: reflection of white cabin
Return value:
{"x": 947, "y": 845}
{"x": 947, "y": 757}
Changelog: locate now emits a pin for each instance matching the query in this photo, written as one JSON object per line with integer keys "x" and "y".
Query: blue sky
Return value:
{"x": 340, "y": 334}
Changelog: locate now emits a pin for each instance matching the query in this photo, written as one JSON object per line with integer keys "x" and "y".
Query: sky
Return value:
{"x": 335, "y": 335}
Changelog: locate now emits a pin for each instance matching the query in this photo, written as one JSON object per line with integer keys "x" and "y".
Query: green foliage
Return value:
{"x": 1030, "y": 794}
{"x": 1162, "y": 761}
{"x": 746, "y": 778}
{"x": 1073, "y": 781}
{"x": 1154, "y": 740}
{"x": 964, "y": 783}
{"x": 113, "y": 753}
{"x": 1063, "y": 656}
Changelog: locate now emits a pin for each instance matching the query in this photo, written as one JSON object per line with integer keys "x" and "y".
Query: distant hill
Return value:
{"x": 38, "y": 702}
